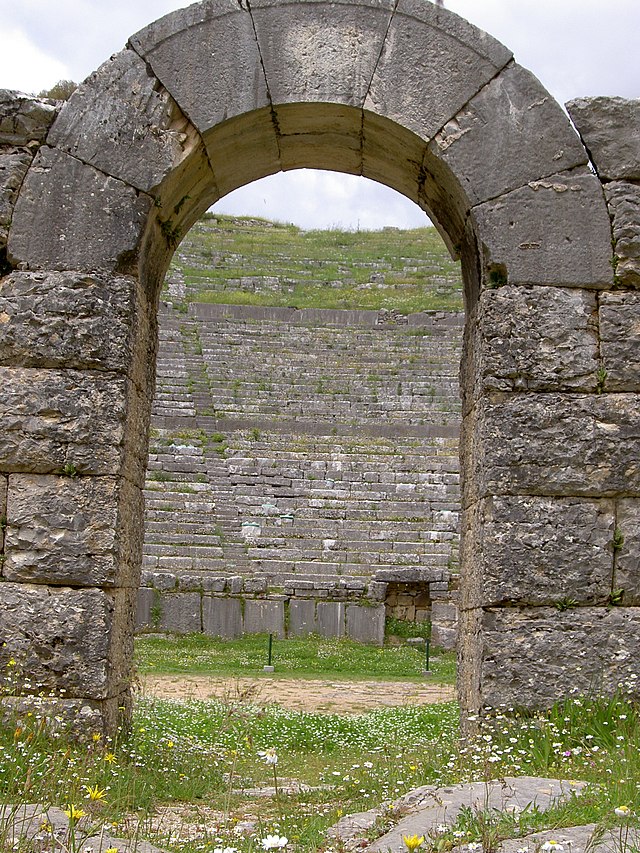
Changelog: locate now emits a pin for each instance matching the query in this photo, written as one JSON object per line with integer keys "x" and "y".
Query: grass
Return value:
{"x": 202, "y": 759}
{"x": 242, "y": 261}
{"x": 313, "y": 657}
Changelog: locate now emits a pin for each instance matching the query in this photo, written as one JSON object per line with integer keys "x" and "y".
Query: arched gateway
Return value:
{"x": 222, "y": 93}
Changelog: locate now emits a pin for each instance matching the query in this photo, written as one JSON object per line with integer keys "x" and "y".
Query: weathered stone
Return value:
{"x": 320, "y": 136}
{"x": 302, "y": 618}
{"x": 619, "y": 336}
{"x": 72, "y": 531}
{"x": 180, "y": 613}
{"x": 59, "y": 637}
{"x": 554, "y": 444}
{"x": 23, "y": 118}
{"x": 67, "y": 320}
{"x": 555, "y": 230}
{"x": 330, "y": 619}
{"x": 427, "y": 43}
{"x": 69, "y": 418}
{"x": 366, "y": 624}
{"x": 594, "y": 649}
{"x": 514, "y": 122}
{"x": 221, "y": 617}
{"x": 610, "y": 130}
{"x": 264, "y": 617}
{"x": 322, "y": 52}
{"x": 538, "y": 551}
{"x": 627, "y": 574}
{"x": 145, "y": 602}
{"x": 13, "y": 168}
{"x": 122, "y": 123}
{"x": 533, "y": 339}
{"x": 188, "y": 51}
{"x": 623, "y": 200}
{"x": 3, "y": 513}
{"x": 70, "y": 216}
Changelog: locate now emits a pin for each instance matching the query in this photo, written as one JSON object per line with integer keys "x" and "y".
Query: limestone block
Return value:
{"x": 221, "y": 617}
{"x": 302, "y": 617}
{"x": 65, "y": 319}
{"x": 60, "y": 637}
{"x": 443, "y": 636}
{"x": 538, "y": 551}
{"x": 145, "y": 602}
{"x": 366, "y": 624}
{"x": 207, "y": 57}
{"x": 320, "y": 51}
{"x": 330, "y": 618}
{"x": 13, "y": 168}
{"x": 71, "y": 216}
{"x": 510, "y": 133}
{"x": 3, "y": 513}
{"x": 583, "y": 650}
{"x": 431, "y": 65}
{"x": 627, "y": 572}
{"x": 392, "y": 155}
{"x": 264, "y": 617}
{"x": 553, "y": 444}
{"x": 66, "y": 418}
{"x": 623, "y": 200}
{"x": 555, "y": 230}
{"x": 610, "y": 130}
{"x": 73, "y": 531}
{"x": 180, "y": 613}
{"x": 619, "y": 340}
{"x": 24, "y": 118}
{"x": 122, "y": 123}
{"x": 534, "y": 339}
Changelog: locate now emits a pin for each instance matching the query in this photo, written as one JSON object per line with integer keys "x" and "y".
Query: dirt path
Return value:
{"x": 299, "y": 694}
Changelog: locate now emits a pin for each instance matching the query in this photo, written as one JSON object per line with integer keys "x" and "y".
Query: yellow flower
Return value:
{"x": 96, "y": 737}
{"x": 95, "y": 793}
{"x": 74, "y": 813}
{"x": 111, "y": 850}
{"x": 412, "y": 842}
{"x": 170, "y": 744}
{"x": 45, "y": 826}
{"x": 12, "y": 662}
{"x": 109, "y": 757}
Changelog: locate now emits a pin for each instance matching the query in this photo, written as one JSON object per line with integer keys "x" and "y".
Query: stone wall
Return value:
{"x": 301, "y": 455}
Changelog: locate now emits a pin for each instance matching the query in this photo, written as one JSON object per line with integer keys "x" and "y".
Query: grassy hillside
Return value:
{"x": 247, "y": 261}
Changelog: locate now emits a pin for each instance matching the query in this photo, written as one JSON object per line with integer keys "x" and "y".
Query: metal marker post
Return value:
{"x": 427, "y": 671}
{"x": 268, "y": 667}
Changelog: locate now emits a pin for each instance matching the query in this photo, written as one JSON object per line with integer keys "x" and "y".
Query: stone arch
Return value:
{"x": 224, "y": 92}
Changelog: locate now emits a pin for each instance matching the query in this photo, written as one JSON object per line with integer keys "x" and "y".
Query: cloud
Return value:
{"x": 24, "y": 66}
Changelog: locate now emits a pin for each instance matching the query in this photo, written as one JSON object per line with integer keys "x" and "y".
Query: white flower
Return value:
{"x": 269, "y": 756}
{"x": 474, "y": 845}
{"x": 441, "y": 828}
{"x": 274, "y": 842}
{"x": 552, "y": 846}
{"x": 225, "y": 850}
{"x": 623, "y": 811}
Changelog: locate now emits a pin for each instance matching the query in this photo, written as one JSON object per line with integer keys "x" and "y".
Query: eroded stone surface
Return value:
{"x": 122, "y": 122}
{"x": 72, "y": 530}
{"x": 71, "y": 216}
{"x": 610, "y": 129}
{"x": 66, "y": 320}
{"x": 536, "y": 550}
{"x": 554, "y": 444}
{"x": 427, "y": 43}
{"x": 623, "y": 200}
{"x": 534, "y": 339}
{"x": 512, "y": 121}
{"x": 620, "y": 336}
{"x": 593, "y": 648}
{"x": 555, "y": 230}
{"x": 627, "y": 572}
{"x": 24, "y": 118}
{"x": 13, "y": 168}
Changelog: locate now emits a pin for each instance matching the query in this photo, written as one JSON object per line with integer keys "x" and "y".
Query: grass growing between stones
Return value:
{"x": 312, "y": 657}
{"x": 200, "y": 776}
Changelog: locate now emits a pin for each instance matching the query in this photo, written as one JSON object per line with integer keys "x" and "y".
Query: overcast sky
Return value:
{"x": 575, "y": 47}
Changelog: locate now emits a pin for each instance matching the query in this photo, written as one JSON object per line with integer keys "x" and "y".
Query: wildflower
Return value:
{"x": 96, "y": 737}
{"x": 109, "y": 757}
{"x": 269, "y": 756}
{"x": 225, "y": 850}
{"x": 170, "y": 744}
{"x": 412, "y": 842}
{"x": 111, "y": 850}
{"x": 441, "y": 828}
{"x": 552, "y": 846}
{"x": 95, "y": 793}
{"x": 474, "y": 845}
{"x": 623, "y": 811}
{"x": 274, "y": 842}
{"x": 74, "y": 813}
{"x": 11, "y": 662}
